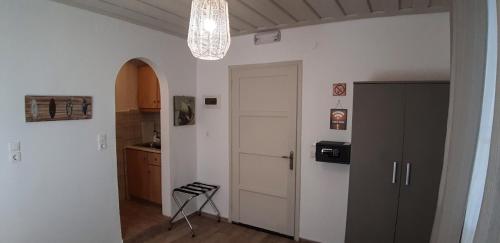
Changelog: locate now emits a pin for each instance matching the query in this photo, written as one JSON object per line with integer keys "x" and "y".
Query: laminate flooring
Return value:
{"x": 209, "y": 231}
{"x": 143, "y": 222}
{"x": 138, "y": 216}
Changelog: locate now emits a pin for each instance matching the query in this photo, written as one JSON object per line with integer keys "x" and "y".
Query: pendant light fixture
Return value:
{"x": 209, "y": 37}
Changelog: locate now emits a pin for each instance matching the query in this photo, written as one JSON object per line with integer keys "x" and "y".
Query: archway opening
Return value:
{"x": 138, "y": 148}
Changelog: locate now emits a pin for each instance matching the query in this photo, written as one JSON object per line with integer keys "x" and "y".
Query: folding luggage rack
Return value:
{"x": 193, "y": 190}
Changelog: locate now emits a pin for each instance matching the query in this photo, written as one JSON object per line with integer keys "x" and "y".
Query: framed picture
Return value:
{"x": 338, "y": 119}
{"x": 339, "y": 89}
{"x": 57, "y": 108}
{"x": 184, "y": 110}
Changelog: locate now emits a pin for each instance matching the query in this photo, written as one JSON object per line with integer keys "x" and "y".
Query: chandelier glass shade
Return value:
{"x": 209, "y": 37}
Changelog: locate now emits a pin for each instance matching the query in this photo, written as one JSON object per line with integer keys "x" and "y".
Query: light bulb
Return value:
{"x": 209, "y": 25}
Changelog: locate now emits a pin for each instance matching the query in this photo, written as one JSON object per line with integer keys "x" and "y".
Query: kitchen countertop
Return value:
{"x": 145, "y": 149}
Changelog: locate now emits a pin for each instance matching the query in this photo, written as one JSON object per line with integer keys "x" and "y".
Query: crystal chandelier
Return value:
{"x": 209, "y": 36}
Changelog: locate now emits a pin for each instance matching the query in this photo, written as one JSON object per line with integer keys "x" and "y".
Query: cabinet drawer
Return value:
{"x": 154, "y": 159}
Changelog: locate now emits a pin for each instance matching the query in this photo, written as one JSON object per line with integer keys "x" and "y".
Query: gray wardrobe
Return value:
{"x": 398, "y": 139}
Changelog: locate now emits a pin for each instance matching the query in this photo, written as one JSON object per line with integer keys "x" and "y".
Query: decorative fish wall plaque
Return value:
{"x": 57, "y": 108}
{"x": 52, "y": 108}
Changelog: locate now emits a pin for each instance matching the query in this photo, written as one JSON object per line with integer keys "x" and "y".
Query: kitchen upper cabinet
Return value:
{"x": 148, "y": 90}
{"x": 144, "y": 175}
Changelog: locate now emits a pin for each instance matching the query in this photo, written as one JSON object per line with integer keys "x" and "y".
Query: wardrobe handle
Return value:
{"x": 394, "y": 168}
{"x": 407, "y": 180}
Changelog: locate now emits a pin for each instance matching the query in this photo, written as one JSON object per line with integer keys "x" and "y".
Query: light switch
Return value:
{"x": 15, "y": 146}
{"x": 15, "y": 151}
{"x": 102, "y": 142}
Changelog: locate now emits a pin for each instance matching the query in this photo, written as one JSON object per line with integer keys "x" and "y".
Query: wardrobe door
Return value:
{"x": 425, "y": 133}
{"x": 377, "y": 140}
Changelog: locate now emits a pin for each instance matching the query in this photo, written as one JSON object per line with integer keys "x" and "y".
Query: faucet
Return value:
{"x": 156, "y": 137}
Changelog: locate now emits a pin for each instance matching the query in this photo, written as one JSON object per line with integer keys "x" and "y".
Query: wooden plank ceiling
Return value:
{"x": 250, "y": 16}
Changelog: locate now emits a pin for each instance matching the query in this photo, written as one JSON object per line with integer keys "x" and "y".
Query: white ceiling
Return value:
{"x": 250, "y": 16}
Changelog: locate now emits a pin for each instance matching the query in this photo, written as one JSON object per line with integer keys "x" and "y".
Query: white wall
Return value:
{"x": 64, "y": 190}
{"x": 400, "y": 48}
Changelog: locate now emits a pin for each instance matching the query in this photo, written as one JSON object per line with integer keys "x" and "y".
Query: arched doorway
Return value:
{"x": 138, "y": 147}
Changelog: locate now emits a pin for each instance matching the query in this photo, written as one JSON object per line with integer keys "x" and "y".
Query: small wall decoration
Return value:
{"x": 339, "y": 89}
{"x": 338, "y": 119}
{"x": 184, "y": 110}
{"x": 57, "y": 108}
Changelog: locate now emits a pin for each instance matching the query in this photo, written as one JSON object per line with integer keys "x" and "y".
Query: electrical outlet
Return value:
{"x": 15, "y": 156}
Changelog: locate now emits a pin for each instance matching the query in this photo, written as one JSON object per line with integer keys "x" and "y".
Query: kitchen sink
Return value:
{"x": 150, "y": 145}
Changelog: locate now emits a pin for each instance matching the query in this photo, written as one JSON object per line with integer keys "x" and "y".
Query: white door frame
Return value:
{"x": 298, "y": 138}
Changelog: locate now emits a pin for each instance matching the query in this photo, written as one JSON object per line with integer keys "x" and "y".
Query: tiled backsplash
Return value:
{"x": 132, "y": 127}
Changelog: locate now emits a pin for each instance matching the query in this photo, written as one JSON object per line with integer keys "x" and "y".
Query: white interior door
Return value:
{"x": 264, "y": 135}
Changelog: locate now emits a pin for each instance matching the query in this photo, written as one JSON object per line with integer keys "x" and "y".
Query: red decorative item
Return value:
{"x": 339, "y": 89}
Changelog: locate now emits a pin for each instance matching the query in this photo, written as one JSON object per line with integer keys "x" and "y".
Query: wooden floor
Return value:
{"x": 144, "y": 222}
{"x": 139, "y": 216}
{"x": 209, "y": 231}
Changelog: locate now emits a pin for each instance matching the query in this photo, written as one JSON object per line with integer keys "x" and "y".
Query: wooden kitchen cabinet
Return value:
{"x": 144, "y": 175}
{"x": 154, "y": 159}
{"x": 155, "y": 183}
{"x": 148, "y": 90}
{"x": 137, "y": 174}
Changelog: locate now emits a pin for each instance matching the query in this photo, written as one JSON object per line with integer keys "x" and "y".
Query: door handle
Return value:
{"x": 394, "y": 170}
{"x": 290, "y": 157}
{"x": 407, "y": 180}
